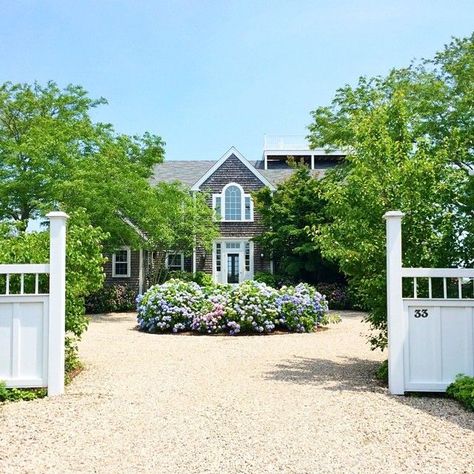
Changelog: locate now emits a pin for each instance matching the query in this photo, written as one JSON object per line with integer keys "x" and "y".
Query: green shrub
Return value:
{"x": 338, "y": 295}
{"x": 382, "y": 372}
{"x": 462, "y": 390}
{"x": 201, "y": 278}
{"x": 177, "y": 275}
{"x": 267, "y": 278}
{"x": 111, "y": 298}
{"x": 16, "y": 394}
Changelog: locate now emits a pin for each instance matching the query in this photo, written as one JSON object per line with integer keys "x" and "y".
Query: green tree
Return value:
{"x": 297, "y": 203}
{"x": 182, "y": 222}
{"x": 52, "y": 155}
{"x": 409, "y": 141}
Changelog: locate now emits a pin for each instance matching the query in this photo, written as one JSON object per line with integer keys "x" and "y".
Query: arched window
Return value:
{"x": 233, "y": 203}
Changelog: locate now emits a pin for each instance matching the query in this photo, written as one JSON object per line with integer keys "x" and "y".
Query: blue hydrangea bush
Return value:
{"x": 251, "y": 307}
{"x": 170, "y": 307}
{"x": 301, "y": 308}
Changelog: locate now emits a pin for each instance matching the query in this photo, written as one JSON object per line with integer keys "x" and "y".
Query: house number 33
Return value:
{"x": 421, "y": 313}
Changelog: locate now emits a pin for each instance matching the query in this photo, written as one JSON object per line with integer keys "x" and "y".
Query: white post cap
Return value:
{"x": 57, "y": 214}
{"x": 393, "y": 214}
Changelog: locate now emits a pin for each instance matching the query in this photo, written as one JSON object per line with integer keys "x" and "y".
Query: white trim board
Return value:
{"x": 231, "y": 151}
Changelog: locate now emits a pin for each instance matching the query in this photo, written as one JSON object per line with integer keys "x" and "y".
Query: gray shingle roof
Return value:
{"x": 189, "y": 171}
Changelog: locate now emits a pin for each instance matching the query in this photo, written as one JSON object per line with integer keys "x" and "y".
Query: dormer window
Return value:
{"x": 233, "y": 205}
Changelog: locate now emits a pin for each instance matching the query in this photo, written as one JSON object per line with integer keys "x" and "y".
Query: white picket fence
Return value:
{"x": 32, "y": 325}
{"x": 430, "y": 336}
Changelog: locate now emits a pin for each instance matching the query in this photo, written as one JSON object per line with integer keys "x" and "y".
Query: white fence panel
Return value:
{"x": 440, "y": 343}
{"x": 23, "y": 335}
{"x": 430, "y": 339}
{"x": 32, "y": 324}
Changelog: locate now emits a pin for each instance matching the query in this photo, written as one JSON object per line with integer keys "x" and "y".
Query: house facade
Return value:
{"x": 229, "y": 182}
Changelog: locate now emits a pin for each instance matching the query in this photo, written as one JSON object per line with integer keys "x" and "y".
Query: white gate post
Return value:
{"x": 57, "y": 301}
{"x": 395, "y": 317}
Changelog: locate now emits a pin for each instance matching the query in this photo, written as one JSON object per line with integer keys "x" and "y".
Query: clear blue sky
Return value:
{"x": 206, "y": 75}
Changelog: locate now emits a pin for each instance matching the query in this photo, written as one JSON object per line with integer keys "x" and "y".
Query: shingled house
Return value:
{"x": 229, "y": 181}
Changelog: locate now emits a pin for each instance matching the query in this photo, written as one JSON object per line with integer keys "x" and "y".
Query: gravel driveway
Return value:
{"x": 293, "y": 403}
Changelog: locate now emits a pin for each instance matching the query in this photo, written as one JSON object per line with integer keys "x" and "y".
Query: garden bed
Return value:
{"x": 249, "y": 308}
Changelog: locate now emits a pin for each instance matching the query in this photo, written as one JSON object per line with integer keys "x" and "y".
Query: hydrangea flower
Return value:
{"x": 249, "y": 307}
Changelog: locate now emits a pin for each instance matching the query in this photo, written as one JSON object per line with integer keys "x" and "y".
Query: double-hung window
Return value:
{"x": 174, "y": 261}
{"x": 233, "y": 205}
{"x": 121, "y": 263}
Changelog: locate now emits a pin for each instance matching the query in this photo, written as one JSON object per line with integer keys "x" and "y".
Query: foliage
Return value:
{"x": 52, "y": 155}
{"x": 17, "y": 394}
{"x": 409, "y": 138}
{"x": 201, "y": 278}
{"x": 266, "y": 277}
{"x": 462, "y": 389}
{"x": 72, "y": 364}
{"x": 338, "y": 295}
{"x": 382, "y": 372}
{"x": 187, "y": 220}
{"x": 111, "y": 298}
{"x": 297, "y": 203}
{"x": 250, "y": 307}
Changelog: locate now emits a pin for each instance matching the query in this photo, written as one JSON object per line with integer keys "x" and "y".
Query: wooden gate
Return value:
{"x": 430, "y": 329}
{"x": 32, "y": 319}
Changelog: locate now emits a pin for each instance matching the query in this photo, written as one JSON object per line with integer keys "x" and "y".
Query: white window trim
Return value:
{"x": 242, "y": 204}
{"x": 122, "y": 275}
{"x": 174, "y": 253}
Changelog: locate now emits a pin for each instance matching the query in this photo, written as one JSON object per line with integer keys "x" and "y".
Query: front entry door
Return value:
{"x": 233, "y": 268}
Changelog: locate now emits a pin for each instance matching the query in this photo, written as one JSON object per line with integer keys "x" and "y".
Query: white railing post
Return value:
{"x": 395, "y": 317}
{"x": 57, "y": 301}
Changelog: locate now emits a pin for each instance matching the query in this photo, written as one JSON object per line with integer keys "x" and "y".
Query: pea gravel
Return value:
{"x": 293, "y": 403}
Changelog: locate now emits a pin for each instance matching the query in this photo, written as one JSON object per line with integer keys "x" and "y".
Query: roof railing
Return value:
{"x": 285, "y": 142}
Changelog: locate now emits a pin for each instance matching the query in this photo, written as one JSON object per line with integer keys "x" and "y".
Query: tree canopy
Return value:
{"x": 408, "y": 138}
{"x": 287, "y": 212}
{"x": 53, "y": 155}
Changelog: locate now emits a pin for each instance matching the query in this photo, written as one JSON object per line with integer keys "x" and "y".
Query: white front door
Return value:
{"x": 233, "y": 261}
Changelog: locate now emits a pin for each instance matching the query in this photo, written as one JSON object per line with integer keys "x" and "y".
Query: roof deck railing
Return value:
{"x": 285, "y": 142}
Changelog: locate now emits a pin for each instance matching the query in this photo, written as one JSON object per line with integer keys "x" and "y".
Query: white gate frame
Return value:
{"x": 54, "y": 305}
{"x": 398, "y": 310}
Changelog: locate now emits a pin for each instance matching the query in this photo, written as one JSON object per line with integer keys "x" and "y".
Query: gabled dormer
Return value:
{"x": 232, "y": 167}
